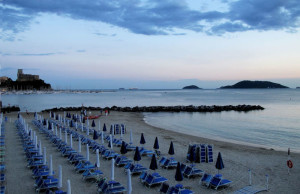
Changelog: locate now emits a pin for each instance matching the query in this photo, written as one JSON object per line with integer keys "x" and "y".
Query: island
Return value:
{"x": 246, "y": 84}
{"x": 191, "y": 87}
{"x": 297, "y": 87}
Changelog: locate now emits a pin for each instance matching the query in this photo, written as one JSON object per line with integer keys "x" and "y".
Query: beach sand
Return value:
{"x": 237, "y": 160}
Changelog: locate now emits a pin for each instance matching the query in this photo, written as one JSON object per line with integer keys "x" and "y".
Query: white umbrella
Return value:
{"x": 129, "y": 186}
{"x": 33, "y": 137}
{"x": 71, "y": 142}
{"x": 81, "y": 127}
{"x": 76, "y": 125}
{"x": 112, "y": 169}
{"x": 60, "y": 133}
{"x": 98, "y": 160}
{"x": 52, "y": 127}
{"x": 40, "y": 148}
{"x": 56, "y": 131}
{"x": 35, "y": 142}
{"x": 87, "y": 131}
{"x": 79, "y": 144}
{"x": 87, "y": 127}
{"x": 59, "y": 176}
{"x": 50, "y": 114}
{"x": 121, "y": 132}
{"x": 69, "y": 187}
{"x": 66, "y": 135}
{"x": 99, "y": 128}
{"x": 50, "y": 166}
{"x": 44, "y": 156}
{"x": 87, "y": 152}
{"x": 102, "y": 140}
{"x": 111, "y": 141}
{"x": 130, "y": 141}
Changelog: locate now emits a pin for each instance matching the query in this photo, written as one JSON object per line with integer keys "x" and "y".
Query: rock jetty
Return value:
{"x": 190, "y": 108}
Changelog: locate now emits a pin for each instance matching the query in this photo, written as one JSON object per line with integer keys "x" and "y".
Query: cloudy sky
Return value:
{"x": 151, "y": 43}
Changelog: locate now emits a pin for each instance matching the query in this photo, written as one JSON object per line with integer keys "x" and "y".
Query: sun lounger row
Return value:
{"x": 2, "y": 156}
{"x": 44, "y": 181}
{"x": 105, "y": 186}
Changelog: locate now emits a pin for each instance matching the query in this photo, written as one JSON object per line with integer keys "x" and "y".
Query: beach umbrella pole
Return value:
{"x": 267, "y": 182}
{"x": 69, "y": 187}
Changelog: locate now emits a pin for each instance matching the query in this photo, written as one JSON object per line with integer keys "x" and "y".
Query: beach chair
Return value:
{"x": 143, "y": 176}
{"x": 154, "y": 180}
{"x": 170, "y": 163}
{"x": 209, "y": 158}
{"x": 218, "y": 182}
{"x": 192, "y": 171}
{"x": 205, "y": 180}
{"x": 145, "y": 152}
{"x": 162, "y": 161}
{"x": 137, "y": 169}
{"x": 175, "y": 189}
{"x": 164, "y": 188}
{"x": 2, "y": 189}
{"x": 2, "y": 178}
{"x": 122, "y": 161}
{"x": 91, "y": 174}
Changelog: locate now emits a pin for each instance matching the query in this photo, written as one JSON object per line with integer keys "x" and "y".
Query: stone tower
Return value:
{"x": 20, "y": 73}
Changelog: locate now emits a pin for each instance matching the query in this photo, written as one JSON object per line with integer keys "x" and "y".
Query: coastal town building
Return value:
{"x": 26, "y": 77}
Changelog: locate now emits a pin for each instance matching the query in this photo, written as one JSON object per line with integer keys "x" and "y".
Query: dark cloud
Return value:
{"x": 156, "y": 17}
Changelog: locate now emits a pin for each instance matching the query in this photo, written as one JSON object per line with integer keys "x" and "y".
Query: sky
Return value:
{"x": 151, "y": 44}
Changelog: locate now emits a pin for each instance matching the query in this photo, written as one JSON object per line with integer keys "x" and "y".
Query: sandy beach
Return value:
{"x": 237, "y": 160}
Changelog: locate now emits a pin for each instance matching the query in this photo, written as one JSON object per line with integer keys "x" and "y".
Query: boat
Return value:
{"x": 92, "y": 117}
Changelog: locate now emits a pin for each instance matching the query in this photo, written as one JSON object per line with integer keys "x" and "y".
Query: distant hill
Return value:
{"x": 297, "y": 87}
{"x": 191, "y": 87}
{"x": 25, "y": 85}
{"x": 254, "y": 84}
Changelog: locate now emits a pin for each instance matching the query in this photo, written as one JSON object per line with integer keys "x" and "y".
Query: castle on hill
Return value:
{"x": 24, "y": 82}
{"x": 26, "y": 77}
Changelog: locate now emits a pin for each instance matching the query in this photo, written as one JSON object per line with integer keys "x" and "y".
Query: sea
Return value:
{"x": 276, "y": 127}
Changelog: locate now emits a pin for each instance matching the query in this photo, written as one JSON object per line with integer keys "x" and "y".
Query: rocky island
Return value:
{"x": 191, "y": 87}
{"x": 253, "y": 85}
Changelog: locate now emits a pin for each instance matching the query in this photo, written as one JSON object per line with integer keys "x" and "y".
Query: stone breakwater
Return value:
{"x": 190, "y": 108}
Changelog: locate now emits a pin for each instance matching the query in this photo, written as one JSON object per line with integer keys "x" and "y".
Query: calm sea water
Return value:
{"x": 278, "y": 126}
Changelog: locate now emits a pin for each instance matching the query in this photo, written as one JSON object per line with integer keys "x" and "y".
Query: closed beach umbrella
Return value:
{"x": 50, "y": 166}
{"x": 95, "y": 136}
{"x": 111, "y": 141}
{"x": 153, "y": 164}
{"x": 219, "y": 163}
{"x": 71, "y": 123}
{"x": 178, "y": 174}
{"x": 104, "y": 127}
{"x": 102, "y": 140}
{"x": 93, "y": 123}
{"x": 123, "y": 149}
{"x": 99, "y": 126}
{"x": 156, "y": 145}
{"x": 97, "y": 159}
{"x": 130, "y": 138}
{"x": 137, "y": 155}
{"x": 45, "y": 156}
{"x": 112, "y": 169}
{"x": 111, "y": 130}
{"x": 44, "y": 122}
{"x": 79, "y": 144}
{"x": 66, "y": 137}
{"x": 142, "y": 140}
{"x": 87, "y": 152}
{"x": 49, "y": 125}
{"x": 83, "y": 120}
{"x": 129, "y": 186}
{"x": 40, "y": 147}
{"x": 71, "y": 141}
{"x": 59, "y": 176}
{"x": 60, "y": 133}
{"x": 171, "y": 149}
{"x": 69, "y": 187}
{"x": 56, "y": 117}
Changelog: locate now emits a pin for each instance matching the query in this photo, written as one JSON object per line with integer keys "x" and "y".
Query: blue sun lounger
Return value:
{"x": 164, "y": 188}
{"x": 154, "y": 179}
{"x": 91, "y": 174}
{"x": 217, "y": 182}
{"x": 179, "y": 189}
{"x": 205, "y": 180}
{"x": 192, "y": 171}
{"x": 170, "y": 163}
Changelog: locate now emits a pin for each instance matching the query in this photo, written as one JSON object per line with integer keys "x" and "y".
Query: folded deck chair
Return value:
{"x": 217, "y": 182}
{"x": 162, "y": 161}
{"x": 205, "y": 180}
{"x": 192, "y": 171}
{"x": 209, "y": 157}
{"x": 154, "y": 180}
{"x": 202, "y": 153}
{"x": 143, "y": 176}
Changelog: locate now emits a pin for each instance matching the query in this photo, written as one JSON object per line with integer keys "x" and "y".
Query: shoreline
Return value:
{"x": 223, "y": 140}
{"x": 237, "y": 159}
